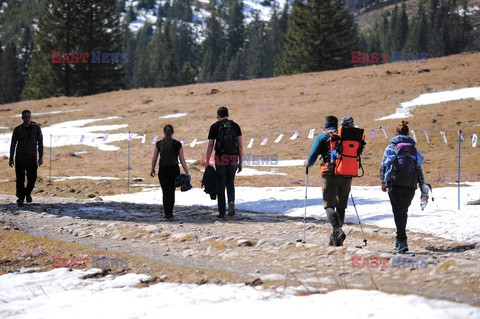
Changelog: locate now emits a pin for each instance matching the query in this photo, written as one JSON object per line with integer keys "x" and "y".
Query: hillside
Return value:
{"x": 263, "y": 108}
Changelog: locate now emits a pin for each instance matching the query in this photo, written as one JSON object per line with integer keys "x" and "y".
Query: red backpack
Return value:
{"x": 349, "y": 143}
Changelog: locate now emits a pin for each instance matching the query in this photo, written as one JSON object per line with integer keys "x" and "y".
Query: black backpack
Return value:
{"x": 168, "y": 156}
{"x": 405, "y": 167}
{"x": 227, "y": 142}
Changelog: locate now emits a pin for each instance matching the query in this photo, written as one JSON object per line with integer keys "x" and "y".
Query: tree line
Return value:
{"x": 305, "y": 36}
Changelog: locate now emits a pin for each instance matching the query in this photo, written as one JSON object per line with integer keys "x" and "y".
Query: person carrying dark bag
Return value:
{"x": 169, "y": 150}
{"x": 27, "y": 140}
{"x": 226, "y": 136}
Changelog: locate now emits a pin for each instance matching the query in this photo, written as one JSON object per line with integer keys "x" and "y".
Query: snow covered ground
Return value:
{"x": 61, "y": 293}
{"x": 440, "y": 218}
{"x": 432, "y": 98}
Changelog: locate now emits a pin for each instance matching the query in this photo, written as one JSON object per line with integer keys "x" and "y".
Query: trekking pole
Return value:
{"x": 359, "y": 222}
{"x": 305, "y": 213}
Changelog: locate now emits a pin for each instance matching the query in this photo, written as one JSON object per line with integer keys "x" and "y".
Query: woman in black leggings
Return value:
{"x": 169, "y": 150}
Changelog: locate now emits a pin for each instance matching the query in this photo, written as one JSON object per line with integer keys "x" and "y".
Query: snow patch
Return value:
{"x": 432, "y": 98}
{"x": 175, "y": 115}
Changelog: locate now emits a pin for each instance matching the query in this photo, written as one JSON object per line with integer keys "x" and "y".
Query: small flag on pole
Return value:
{"x": 81, "y": 139}
{"x": 130, "y": 136}
{"x": 311, "y": 133}
{"x": 105, "y": 137}
{"x": 182, "y": 141}
{"x": 444, "y": 137}
{"x": 372, "y": 133}
{"x": 250, "y": 144}
{"x": 460, "y": 135}
{"x": 144, "y": 138}
{"x": 426, "y": 136}
{"x": 265, "y": 140}
{"x": 295, "y": 135}
{"x": 279, "y": 138}
{"x": 474, "y": 140}
{"x": 193, "y": 143}
{"x": 155, "y": 139}
{"x": 385, "y": 133}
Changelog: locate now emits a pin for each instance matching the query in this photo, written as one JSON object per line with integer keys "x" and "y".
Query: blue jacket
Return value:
{"x": 321, "y": 146}
{"x": 389, "y": 156}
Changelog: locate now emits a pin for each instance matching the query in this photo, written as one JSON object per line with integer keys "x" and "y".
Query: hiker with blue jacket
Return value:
{"x": 336, "y": 188}
{"x": 400, "y": 172}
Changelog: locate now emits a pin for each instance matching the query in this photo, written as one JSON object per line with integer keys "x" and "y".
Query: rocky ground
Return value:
{"x": 254, "y": 248}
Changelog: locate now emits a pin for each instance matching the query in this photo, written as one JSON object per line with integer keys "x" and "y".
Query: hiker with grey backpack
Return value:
{"x": 400, "y": 172}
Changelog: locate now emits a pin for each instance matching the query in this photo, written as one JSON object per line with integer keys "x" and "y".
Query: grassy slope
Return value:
{"x": 269, "y": 107}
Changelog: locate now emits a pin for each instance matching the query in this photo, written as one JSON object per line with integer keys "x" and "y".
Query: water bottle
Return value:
{"x": 423, "y": 202}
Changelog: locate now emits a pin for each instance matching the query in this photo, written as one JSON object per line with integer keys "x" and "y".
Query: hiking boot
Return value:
{"x": 231, "y": 209}
{"x": 169, "y": 217}
{"x": 331, "y": 241}
{"x": 396, "y": 244}
{"x": 402, "y": 247}
{"x": 221, "y": 216}
{"x": 20, "y": 202}
{"x": 339, "y": 237}
{"x": 28, "y": 198}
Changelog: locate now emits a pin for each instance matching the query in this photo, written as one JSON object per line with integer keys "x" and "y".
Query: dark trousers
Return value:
{"x": 401, "y": 198}
{"x": 22, "y": 167}
{"x": 226, "y": 178}
{"x": 335, "y": 198}
{"x": 167, "y": 176}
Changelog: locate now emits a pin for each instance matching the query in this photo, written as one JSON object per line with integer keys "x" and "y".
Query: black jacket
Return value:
{"x": 210, "y": 182}
{"x": 25, "y": 141}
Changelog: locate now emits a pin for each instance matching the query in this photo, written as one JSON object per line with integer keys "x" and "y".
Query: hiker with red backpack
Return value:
{"x": 337, "y": 169}
{"x": 226, "y": 136}
{"x": 400, "y": 172}
{"x": 169, "y": 150}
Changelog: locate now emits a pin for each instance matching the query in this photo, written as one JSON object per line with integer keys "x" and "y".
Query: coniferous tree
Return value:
{"x": 11, "y": 84}
{"x": 320, "y": 36}
{"x": 187, "y": 74}
{"x": 26, "y": 49}
{"x": 130, "y": 16}
{"x": 235, "y": 27}
{"x": 258, "y": 51}
{"x": 182, "y": 10}
{"x": 56, "y": 32}
{"x": 129, "y": 44}
{"x": 417, "y": 39}
{"x": 101, "y": 32}
{"x": 142, "y": 70}
{"x": 213, "y": 63}
{"x": 403, "y": 26}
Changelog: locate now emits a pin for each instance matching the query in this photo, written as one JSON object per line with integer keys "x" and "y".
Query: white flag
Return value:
{"x": 474, "y": 140}
{"x": 278, "y": 138}
{"x": 193, "y": 143}
{"x": 105, "y": 137}
{"x": 311, "y": 133}
{"x": 460, "y": 135}
{"x": 426, "y": 136}
{"x": 295, "y": 135}
{"x": 144, "y": 138}
{"x": 250, "y": 144}
{"x": 444, "y": 137}
{"x": 182, "y": 141}
{"x": 385, "y": 133}
{"x": 414, "y": 136}
{"x": 155, "y": 139}
{"x": 265, "y": 139}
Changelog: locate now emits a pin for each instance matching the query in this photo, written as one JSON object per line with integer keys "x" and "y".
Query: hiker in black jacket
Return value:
{"x": 27, "y": 139}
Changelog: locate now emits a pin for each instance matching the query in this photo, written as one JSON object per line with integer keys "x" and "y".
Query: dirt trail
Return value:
{"x": 252, "y": 245}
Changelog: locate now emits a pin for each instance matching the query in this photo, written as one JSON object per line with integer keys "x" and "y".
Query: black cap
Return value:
{"x": 330, "y": 121}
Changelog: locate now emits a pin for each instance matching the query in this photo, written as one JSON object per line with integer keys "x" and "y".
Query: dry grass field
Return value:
{"x": 266, "y": 107}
